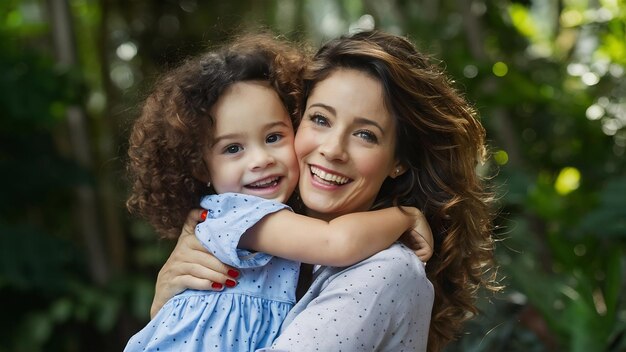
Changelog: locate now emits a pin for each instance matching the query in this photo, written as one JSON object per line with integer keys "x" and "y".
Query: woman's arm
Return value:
{"x": 341, "y": 242}
{"x": 189, "y": 266}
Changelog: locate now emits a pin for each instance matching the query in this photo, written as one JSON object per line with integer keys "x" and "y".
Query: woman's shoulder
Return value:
{"x": 397, "y": 265}
{"x": 395, "y": 257}
{"x": 393, "y": 278}
{"x": 397, "y": 250}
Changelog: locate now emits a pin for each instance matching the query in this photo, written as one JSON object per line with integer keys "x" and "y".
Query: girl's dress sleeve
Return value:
{"x": 229, "y": 216}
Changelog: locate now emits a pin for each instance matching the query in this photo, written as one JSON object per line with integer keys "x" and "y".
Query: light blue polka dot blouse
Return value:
{"x": 243, "y": 318}
{"x": 382, "y": 303}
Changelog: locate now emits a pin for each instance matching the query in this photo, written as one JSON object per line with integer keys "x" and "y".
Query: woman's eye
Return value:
{"x": 367, "y": 136}
{"x": 319, "y": 120}
{"x": 273, "y": 138}
{"x": 232, "y": 149}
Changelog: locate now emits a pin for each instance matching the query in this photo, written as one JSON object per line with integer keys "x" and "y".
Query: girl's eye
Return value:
{"x": 367, "y": 136}
{"x": 232, "y": 149}
{"x": 319, "y": 120}
{"x": 273, "y": 138}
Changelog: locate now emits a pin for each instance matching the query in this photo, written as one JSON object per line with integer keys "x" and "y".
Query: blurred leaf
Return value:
{"x": 578, "y": 319}
{"x": 522, "y": 20}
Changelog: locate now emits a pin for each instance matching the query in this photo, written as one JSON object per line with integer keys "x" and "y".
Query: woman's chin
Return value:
{"x": 317, "y": 205}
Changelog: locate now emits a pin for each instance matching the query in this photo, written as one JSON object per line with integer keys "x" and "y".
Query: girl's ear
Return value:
{"x": 201, "y": 172}
{"x": 398, "y": 169}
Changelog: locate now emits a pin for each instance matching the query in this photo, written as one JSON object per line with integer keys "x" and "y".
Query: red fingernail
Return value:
{"x": 216, "y": 285}
{"x": 233, "y": 273}
{"x": 203, "y": 215}
{"x": 230, "y": 283}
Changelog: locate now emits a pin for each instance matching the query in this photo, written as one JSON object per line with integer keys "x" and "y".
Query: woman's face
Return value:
{"x": 345, "y": 145}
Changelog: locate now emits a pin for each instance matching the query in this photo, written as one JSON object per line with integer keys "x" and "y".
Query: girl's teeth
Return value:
{"x": 264, "y": 182}
{"x": 329, "y": 177}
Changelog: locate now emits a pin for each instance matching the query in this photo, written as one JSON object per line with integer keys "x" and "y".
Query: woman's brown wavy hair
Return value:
{"x": 166, "y": 168}
{"x": 440, "y": 141}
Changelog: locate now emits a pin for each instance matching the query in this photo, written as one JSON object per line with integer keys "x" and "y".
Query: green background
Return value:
{"x": 547, "y": 76}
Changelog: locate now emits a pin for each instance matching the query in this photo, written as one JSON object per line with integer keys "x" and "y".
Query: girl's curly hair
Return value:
{"x": 440, "y": 141}
{"x": 166, "y": 168}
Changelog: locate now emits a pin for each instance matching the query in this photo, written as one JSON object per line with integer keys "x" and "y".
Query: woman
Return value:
{"x": 375, "y": 106}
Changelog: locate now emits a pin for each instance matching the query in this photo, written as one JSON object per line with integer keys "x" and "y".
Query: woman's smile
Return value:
{"x": 325, "y": 177}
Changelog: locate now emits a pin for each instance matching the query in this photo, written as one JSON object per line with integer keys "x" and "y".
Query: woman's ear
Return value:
{"x": 397, "y": 170}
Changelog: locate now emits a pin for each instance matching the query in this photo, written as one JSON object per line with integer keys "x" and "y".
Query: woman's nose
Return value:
{"x": 332, "y": 148}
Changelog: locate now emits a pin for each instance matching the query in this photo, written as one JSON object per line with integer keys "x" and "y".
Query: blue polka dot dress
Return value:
{"x": 243, "y": 318}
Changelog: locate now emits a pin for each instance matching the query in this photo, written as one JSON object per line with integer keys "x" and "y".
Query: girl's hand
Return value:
{"x": 190, "y": 266}
{"x": 425, "y": 244}
{"x": 421, "y": 237}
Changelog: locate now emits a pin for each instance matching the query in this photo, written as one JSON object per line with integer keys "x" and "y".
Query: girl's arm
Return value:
{"x": 191, "y": 266}
{"x": 341, "y": 242}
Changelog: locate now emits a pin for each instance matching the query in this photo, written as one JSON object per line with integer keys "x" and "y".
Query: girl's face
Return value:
{"x": 345, "y": 145}
{"x": 252, "y": 151}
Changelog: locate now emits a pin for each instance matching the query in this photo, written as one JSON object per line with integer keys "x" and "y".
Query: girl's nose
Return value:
{"x": 261, "y": 159}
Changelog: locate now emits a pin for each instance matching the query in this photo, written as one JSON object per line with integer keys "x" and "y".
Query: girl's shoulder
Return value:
{"x": 239, "y": 206}
{"x": 229, "y": 198}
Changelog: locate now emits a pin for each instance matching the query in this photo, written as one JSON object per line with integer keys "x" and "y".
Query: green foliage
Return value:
{"x": 563, "y": 186}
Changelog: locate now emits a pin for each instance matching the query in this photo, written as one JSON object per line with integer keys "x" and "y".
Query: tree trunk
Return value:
{"x": 86, "y": 211}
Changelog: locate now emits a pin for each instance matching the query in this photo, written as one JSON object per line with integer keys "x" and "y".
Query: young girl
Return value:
{"x": 219, "y": 121}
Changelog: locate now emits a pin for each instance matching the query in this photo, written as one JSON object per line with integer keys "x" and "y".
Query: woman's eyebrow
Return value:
{"x": 366, "y": 121}
{"x": 358, "y": 120}
{"x": 324, "y": 106}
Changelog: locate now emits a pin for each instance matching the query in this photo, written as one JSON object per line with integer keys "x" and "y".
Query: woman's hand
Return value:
{"x": 190, "y": 266}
